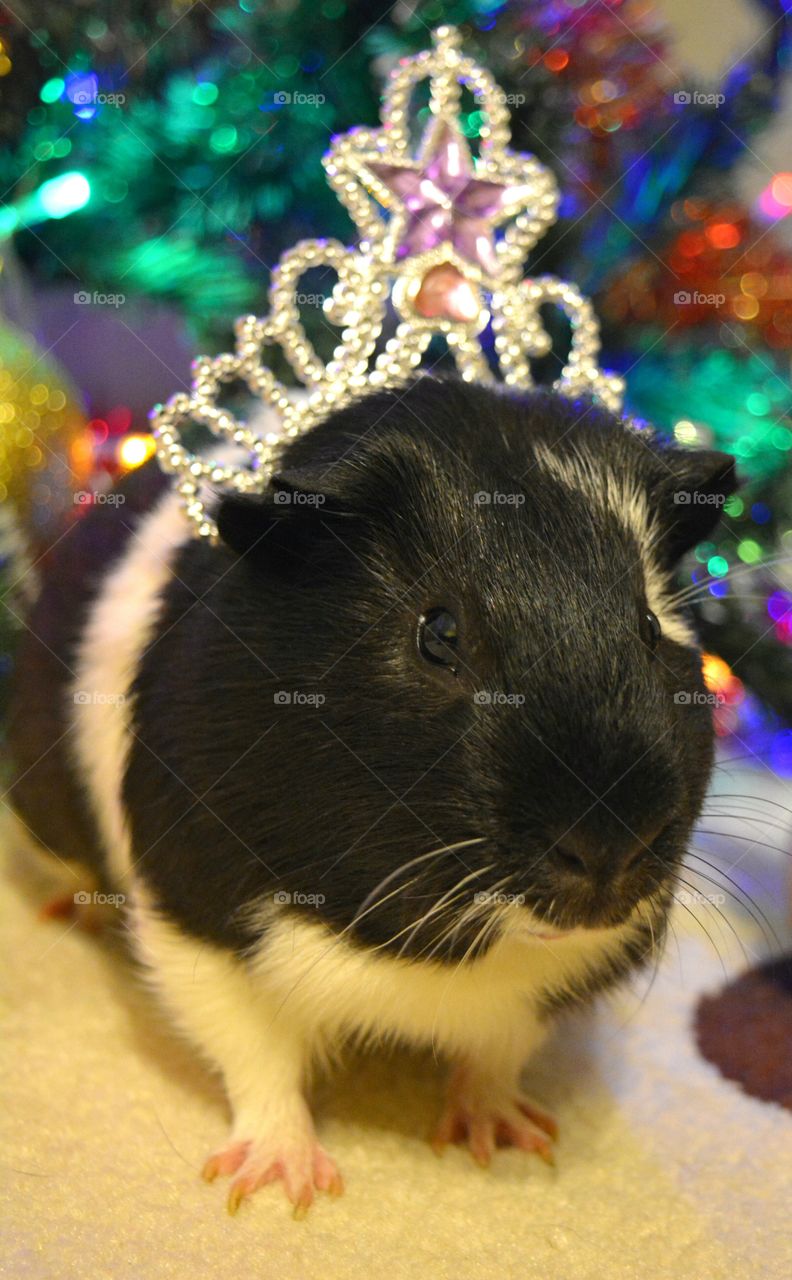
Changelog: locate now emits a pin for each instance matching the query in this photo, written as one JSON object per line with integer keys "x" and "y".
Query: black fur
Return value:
{"x": 233, "y": 795}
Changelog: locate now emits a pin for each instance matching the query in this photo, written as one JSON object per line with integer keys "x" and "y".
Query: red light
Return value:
{"x": 556, "y": 59}
{"x": 119, "y": 419}
{"x": 723, "y": 235}
{"x": 99, "y": 428}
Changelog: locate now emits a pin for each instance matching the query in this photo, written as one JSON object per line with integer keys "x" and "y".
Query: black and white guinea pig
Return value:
{"x": 412, "y": 753}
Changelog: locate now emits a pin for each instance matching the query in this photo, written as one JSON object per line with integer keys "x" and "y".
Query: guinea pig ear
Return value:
{"x": 287, "y": 520}
{"x": 691, "y": 495}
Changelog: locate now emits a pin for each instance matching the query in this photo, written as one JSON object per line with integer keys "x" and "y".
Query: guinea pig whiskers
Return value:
{"x": 472, "y": 912}
{"x": 414, "y": 925}
{"x": 443, "y": 904}
{"x": 745, "y": 814}
{"x": 734, "y": 835}
{"x": 703, "y": 928}
{"x": 371, "y": 902}
{"x": 714, "y": 906}
{"x": 691, "y": 589}
{"x": 746, "y": 902}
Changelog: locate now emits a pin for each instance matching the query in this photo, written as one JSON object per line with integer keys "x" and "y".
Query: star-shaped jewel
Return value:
{"x": 445, "y": 203}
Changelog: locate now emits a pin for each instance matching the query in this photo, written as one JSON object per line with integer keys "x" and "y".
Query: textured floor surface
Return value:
{"x": 664, "y": 1169}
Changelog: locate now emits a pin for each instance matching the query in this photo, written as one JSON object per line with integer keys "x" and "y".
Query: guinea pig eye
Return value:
{"x": 437, "y": 636}
{"x": 651, "y": 631}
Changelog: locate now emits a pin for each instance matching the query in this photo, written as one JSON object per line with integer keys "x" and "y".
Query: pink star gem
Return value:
{"x": 446, "y": 203}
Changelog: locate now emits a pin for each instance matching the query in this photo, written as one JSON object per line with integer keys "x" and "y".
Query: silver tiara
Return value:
{"x": 443, "y": 238}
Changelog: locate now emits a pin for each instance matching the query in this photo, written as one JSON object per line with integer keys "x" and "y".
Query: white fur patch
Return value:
{"x": 621, "y": 496}
{"x": 485, "y": 1009}
{"x": 305, "y": 991}
{"x": 119, "y": 628}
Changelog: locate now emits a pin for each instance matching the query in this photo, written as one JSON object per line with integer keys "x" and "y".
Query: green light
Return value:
{"x": 718, "y": 567}
{"x": 115, "y": 190}
{"x": 223, "y": 139}
{"x": 781, "y": 438}
{"x": 63, "y": 195}
{"x": 54, "y": 199}
{"x": 757, "y": 404}
{"x": 704, "y": 550}
{"x": 286, "y": 66}
{"x": 734, "y": 506}
{"x": 205, "y": 94}
{"x": 749, "y": 551}
{"x": 52, "y": 90}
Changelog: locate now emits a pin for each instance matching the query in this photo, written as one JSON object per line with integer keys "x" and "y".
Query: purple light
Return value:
{"x": 778, "y": 604}
{"x": 82, "y": 90}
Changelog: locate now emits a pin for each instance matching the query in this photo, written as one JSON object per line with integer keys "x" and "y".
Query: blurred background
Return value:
{"x": 159, "y": 155}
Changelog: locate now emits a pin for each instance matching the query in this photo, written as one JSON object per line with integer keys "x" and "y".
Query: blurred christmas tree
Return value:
{"x": 199, "y": 131}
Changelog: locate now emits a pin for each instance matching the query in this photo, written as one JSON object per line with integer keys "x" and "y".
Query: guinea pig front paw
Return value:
{"x": 486, "y": 1114}
{"x": 295, "y": 1159}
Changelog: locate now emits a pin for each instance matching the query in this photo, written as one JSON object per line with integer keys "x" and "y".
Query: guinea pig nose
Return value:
{"x": 571, "y": 860}
{"x": 580, "y": 853}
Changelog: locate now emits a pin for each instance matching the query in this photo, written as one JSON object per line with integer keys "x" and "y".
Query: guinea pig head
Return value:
{"x": 493, "y": 709}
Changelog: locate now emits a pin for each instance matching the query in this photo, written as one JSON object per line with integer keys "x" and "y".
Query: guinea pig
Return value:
{"x": 412, "y": 752}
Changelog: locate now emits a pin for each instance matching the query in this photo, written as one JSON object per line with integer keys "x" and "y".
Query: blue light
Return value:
{"x": 761, "y": 513}
{"x": 781, "y": 752}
